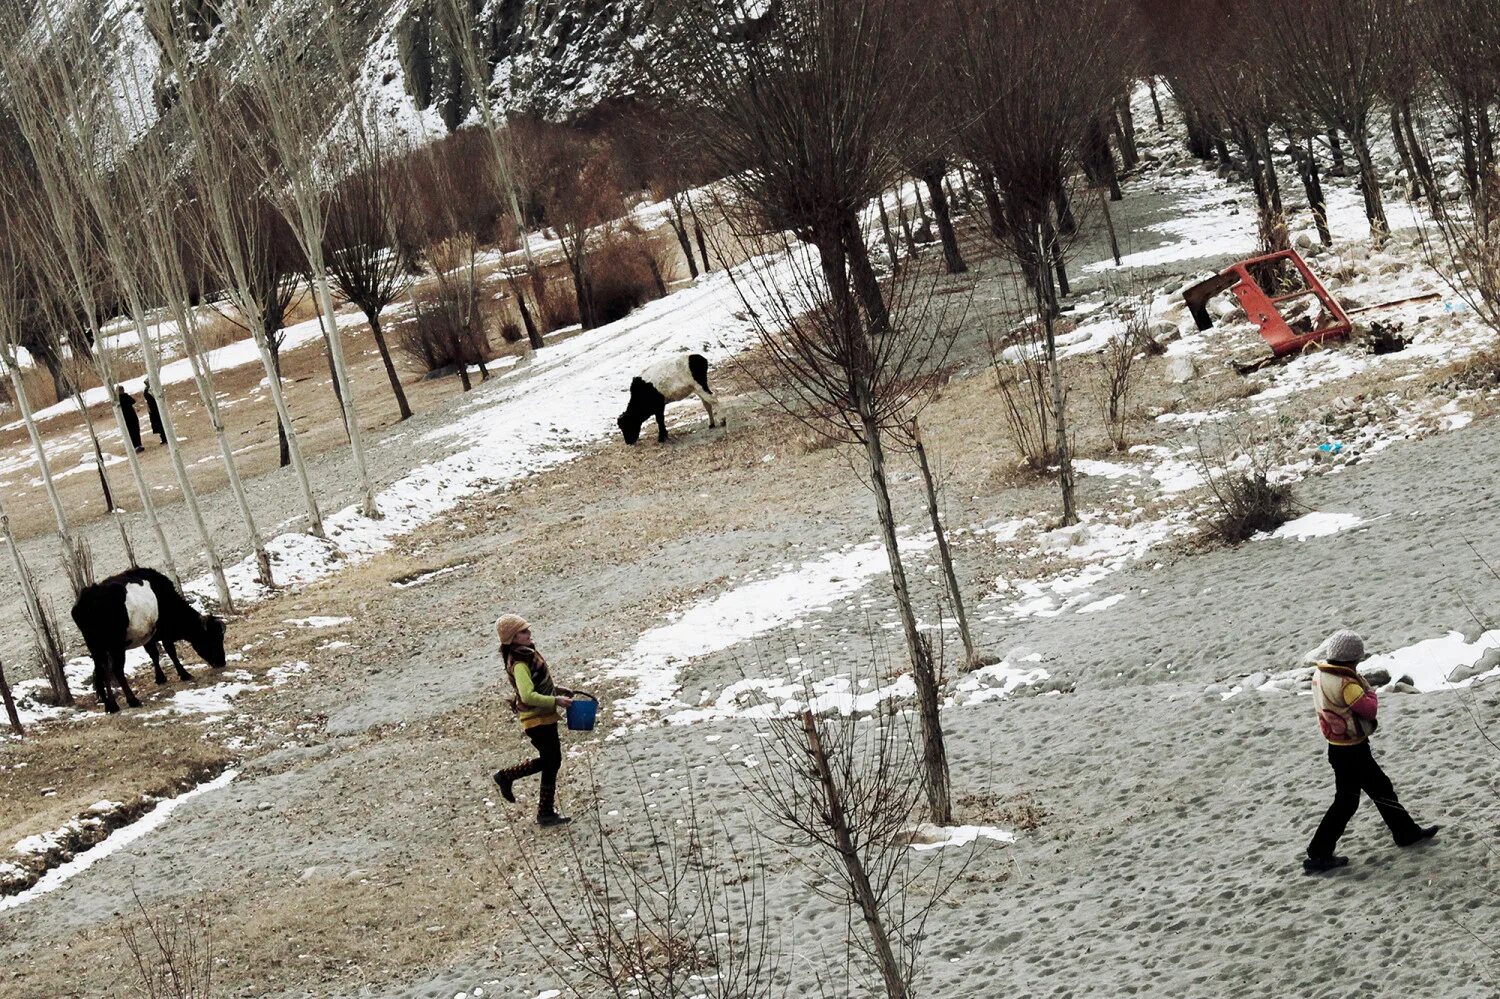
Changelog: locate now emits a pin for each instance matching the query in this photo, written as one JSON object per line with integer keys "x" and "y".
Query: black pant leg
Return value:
{"x": 1347, "y": 782}
{"x": 1378, "y": 786}
{"x": 549, "y": 749}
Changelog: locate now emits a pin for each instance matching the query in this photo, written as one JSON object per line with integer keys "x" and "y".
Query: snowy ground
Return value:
{"x": 1145, "y": 702}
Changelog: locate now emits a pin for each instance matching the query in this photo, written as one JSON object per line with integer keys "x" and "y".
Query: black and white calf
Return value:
{"x": 140, "y": 608}
{"x": 668, "y": 380}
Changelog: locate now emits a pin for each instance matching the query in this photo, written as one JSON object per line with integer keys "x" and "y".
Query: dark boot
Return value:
{"x": 1422, "y": 835}
{"x": 546, "y": 814}
{"x": 506, "y": 778}
{"x": 1320, "y": 865}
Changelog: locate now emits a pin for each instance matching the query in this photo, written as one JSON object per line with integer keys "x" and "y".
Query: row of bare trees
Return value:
{"x": 1307, "y": 80}
{"x": 810, "y": 118}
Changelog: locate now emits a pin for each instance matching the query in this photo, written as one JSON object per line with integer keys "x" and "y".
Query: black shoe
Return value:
{"x": 552, "y": 819}
{"x": 1320, "y": 865}
{"x": 1423, "y": 835}
{"x": 505, "y": 783}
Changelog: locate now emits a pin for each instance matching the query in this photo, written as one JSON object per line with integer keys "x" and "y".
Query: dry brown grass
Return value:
{"x": 57, "y": 772}
{"x": 216, "y": 328}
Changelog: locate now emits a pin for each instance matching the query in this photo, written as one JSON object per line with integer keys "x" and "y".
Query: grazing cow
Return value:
{"x": 667, "y": 381}
{"x": 140, "y": 608}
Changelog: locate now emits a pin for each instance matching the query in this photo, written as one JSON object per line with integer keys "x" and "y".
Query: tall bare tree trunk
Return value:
{"x": 932, "y": 176}
{"x": 341, "y": 378}
{"x": 1369, "y": 186}
{"x": 10, "y": 704}
{"x": 390, "y": 367}
{"x": 1109, "y": 225}
{"x": 945, "y": 556}
{"x": 203, "y": 378}
{"x": 179, "y": 467}
{"x": 934, "y": 753}
{"x": 1420, "y": 161}
{"x": 890, "y": 239}
{"x": 1161, "y": 122}
{"x": 679, "y": 227}
{"x": 891, "y": 972}
{"x": 74, "y": 560}
{"x": 36, "y": 617}
{"x": 1047, "y": 301}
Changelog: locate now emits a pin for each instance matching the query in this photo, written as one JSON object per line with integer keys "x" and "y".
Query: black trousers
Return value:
{"x": 1355, "y": 770}
{"x": 547, "y": 763}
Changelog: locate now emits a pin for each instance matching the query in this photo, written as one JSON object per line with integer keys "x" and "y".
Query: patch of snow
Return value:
{"x": 1430, "y": 663}
{"x": 116, "y": 841}
{"x": 1101, "y": 605}
{"x": 317, "y": 621}
{"x": 1312, "y": 525}
{"x": 740, "y": 614}
{"x": 929, "y": 837}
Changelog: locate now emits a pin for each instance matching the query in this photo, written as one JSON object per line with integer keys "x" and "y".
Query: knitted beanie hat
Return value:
{"x": 509, "y": 626}
{"x": 1344, "y": 647}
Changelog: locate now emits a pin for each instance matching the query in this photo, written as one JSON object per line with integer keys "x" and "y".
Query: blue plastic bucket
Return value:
{"x": 581, "y": 713}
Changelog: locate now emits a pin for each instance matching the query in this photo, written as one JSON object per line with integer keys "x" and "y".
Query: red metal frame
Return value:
{"x": 1264, "y": 309}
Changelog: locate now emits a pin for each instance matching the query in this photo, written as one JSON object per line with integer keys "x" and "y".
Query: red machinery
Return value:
{"x": 1312, "y": 317}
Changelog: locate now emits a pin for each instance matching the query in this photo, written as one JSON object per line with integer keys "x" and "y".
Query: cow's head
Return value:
{"x": 210, "y": 645}
{"x": 630, "y": 426}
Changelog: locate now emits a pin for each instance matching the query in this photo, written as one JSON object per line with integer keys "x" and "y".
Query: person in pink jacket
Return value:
{"x": 1346, "y": 706}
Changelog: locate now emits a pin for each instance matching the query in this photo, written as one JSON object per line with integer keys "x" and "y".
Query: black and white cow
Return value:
{"x": 140, "y": 608}
{"x": 667, "y": 380}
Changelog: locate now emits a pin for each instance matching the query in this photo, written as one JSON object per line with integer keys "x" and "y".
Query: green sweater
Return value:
{"x": 536, "y": 695}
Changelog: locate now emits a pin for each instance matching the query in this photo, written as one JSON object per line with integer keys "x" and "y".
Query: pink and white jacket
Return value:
{"x": 1345, "y": 703}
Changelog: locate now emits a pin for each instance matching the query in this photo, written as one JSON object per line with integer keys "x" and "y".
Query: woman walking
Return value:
{"x": 1346, "y": 706}
{"x": 536, "y": 701}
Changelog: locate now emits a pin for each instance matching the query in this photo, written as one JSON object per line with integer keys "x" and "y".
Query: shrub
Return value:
{"x": 1241, "y": 475}
{"x": 559, "y": 306}
{"x": 1249, "y": 503}
{"x": 1021, "y": 378}
{"x": 1479, "y": 371}
{"x": 448, "y": 330}
{"x": 511, "y": 331}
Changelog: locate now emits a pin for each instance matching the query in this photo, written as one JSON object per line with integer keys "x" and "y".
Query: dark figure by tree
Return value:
{"x": 132, "y": 421}
{"x": 154, "y": 414}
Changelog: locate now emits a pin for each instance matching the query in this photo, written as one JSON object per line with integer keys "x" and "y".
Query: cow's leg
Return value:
{"x": 153, "y": 649}
{"x": 182, "y": 674}
{"x": 711, "y": 404}
{"x": 103, "y": 670}
{"x": 661, "y": 424}
{"x": 118, "y": 655}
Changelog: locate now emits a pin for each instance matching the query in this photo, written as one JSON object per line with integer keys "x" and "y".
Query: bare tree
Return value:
{"x": 170, "y": 232}
{"x": 1460, "y": 40}
{"x": 1339, "y": 47}
{"x": 461, "y": 29}
{"x": 49, "y": 651}
{"x": 10, "y": 704}
{"x": 1032, "y": 78}
{"x": 1466, "y": 250}
{"x": 288, "y": 147}
{"x": 48, "y": 98}
{"x": 1117, "y": 370}
{"x": 370, "y": 240}
{"x": 13, "y": 305}
{"x": 698, "y": 920}
{"x": 572, "y": 176}
{"x": 849, "y": 787}
{"x": 58, "y": 310}
{"x": 805, "y": 122}
{"x": 945, "y": 555}
{"x": 171, "y": 954}
{"x": 248, "y": 246}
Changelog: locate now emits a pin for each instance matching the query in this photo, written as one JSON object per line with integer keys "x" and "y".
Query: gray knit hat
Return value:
{"x": 1344, "y": 647}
